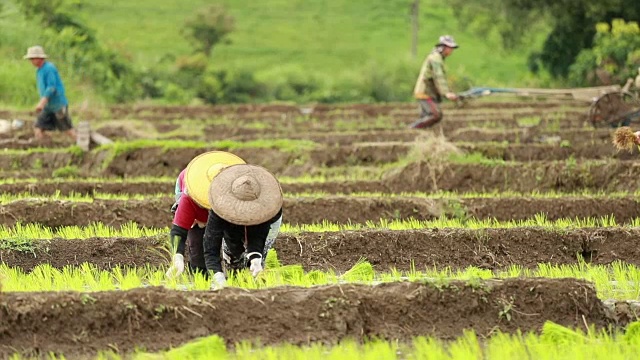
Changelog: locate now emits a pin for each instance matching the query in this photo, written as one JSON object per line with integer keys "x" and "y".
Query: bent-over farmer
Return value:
{"x": 244, "y": 220}
{"x": 431, "y": 86}
{"x": 191, "y": 208}
{"x": 53, "y": 107}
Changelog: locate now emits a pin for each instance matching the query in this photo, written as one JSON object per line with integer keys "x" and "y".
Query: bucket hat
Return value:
{"x": 447, "y": 40}
{"x": 35, "y": 52}
{"x": 245, "y": 195}
{"x": 202, "y": 169}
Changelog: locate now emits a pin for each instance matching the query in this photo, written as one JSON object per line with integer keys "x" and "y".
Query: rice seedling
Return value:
{"x": 6, "y": 198}
{"x": 554, "y": 342}
{"x": 22, "y": 237}
{"x": 616, "y": 281}
{"x": 20, "y": 233}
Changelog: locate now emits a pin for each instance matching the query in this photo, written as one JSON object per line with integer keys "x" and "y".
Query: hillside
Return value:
{"x": 331, "y": 39}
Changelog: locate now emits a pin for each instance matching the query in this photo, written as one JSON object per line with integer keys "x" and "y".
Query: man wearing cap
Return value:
{"x": 431, "y": 86}
{"x": 244, "y": 220}
{"x": 53, "y": 107}
{"x": 191, "y": 212}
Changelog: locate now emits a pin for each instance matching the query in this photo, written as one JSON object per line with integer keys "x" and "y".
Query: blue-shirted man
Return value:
{"x": 53, "y": 107}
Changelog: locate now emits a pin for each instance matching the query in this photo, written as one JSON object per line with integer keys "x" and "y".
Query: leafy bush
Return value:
{"x": 292, "y": 84}
{"x": 230, "y": 86}
{"x": 615, "y": 55}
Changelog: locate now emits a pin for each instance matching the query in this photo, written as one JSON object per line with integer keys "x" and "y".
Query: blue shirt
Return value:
{"x": 50, "y": 86}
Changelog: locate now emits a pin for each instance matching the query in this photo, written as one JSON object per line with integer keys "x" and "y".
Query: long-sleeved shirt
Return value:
{"x": 432, "y": 81}
{"x": 187, "y": 214}
{"x": 50, "y": 86}
{"x": 219, "y": 228}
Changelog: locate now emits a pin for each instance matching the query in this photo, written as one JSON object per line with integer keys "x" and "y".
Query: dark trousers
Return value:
{"x": 196, "y": 250}
{"x": 430, "y": 114}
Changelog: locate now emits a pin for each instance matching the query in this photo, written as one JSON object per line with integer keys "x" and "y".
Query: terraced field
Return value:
{"x": 504, "y": 217}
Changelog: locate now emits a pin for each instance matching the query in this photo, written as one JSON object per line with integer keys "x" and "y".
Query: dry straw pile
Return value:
{"x": 624, "y": 139}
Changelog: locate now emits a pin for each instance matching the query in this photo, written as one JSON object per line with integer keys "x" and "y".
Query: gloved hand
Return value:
{"x": 256, "y": 266}
{"x": 219, "y": 281}
{"x": 178, "y": 266}
{"x": 174, "y": 208}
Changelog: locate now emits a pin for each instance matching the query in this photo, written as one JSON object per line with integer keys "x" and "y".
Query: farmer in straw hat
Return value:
{"x": 190, "y": 210}
{"x": 244, "y": 220}
{"x": 431, "y": 86}
{"x": 53, "y": 107}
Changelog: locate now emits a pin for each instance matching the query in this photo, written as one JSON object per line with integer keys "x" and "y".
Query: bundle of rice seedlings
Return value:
{"x": 560, "y": 335}
{"x": 272, "y": 261}
{"x": 624, "y": 139}
{"x": 633, "y": 332}
{"x": 361, "y": 271}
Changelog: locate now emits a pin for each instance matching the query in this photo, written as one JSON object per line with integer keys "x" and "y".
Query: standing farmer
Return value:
{"x": 53, "y": 107}
{"x": 191, "y": 208}
{"x": 431, "y": 86}
{"x": 244, "y": 220}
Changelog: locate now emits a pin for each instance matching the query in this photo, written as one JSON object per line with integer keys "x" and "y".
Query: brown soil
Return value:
{"x": 338, "y": 209}
{"x": 562, "y": 176}
{"x": 384, "y": 249}
{"x": 78, "y": 324}
{"x": 155, "y": 113}
{"x": 521, "y": 177}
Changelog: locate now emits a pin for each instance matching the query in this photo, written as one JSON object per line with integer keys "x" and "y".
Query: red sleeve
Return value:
{"x": 186, "y": 213}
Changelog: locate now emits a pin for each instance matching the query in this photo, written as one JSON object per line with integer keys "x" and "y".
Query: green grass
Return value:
{"x": 323, "y": 36}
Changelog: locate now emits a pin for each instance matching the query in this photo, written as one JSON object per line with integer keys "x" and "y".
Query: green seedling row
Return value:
{"x": 290, "y": 145}
{"x": 130, "y": 180}
{"x": 80, "y": 197}
{"x": 618, "y": 280}
{"x": 33, "y": 231}
{"x": 554, "y": 342}
{"x": 6, "y": 198}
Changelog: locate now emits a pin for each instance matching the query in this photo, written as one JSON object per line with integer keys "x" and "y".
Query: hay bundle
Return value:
{"x": 624, "y": 139}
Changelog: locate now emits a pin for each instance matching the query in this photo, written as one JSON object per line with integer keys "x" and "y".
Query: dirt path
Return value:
{"x": 80, "y": 325}
{"x": 384, "y": 249}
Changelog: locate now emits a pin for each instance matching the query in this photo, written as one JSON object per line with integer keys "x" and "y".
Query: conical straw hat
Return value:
{"x": 202, "y": 169}
{"x": 245, "y": 195}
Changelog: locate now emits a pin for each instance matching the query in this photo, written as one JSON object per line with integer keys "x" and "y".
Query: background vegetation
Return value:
{"x": 306, "y": 51}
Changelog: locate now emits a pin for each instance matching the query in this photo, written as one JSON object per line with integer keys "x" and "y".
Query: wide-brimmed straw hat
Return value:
{"x": 245, "y": 195}
{"x": 35, "y": 52}
{"x": 202, "y": 169}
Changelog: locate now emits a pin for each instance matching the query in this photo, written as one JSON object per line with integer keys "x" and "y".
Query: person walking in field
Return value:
{"x": 191, "y": 209}
{"x": 431, "y": 86}
{"x": 53, "y": 107}
{"x": 244, "y": 220}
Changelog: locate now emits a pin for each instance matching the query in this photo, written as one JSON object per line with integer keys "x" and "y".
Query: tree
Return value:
{"x": 208, "y": 27}
{"x": 572, "y": 24}
{"x": 614, "y": 57}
